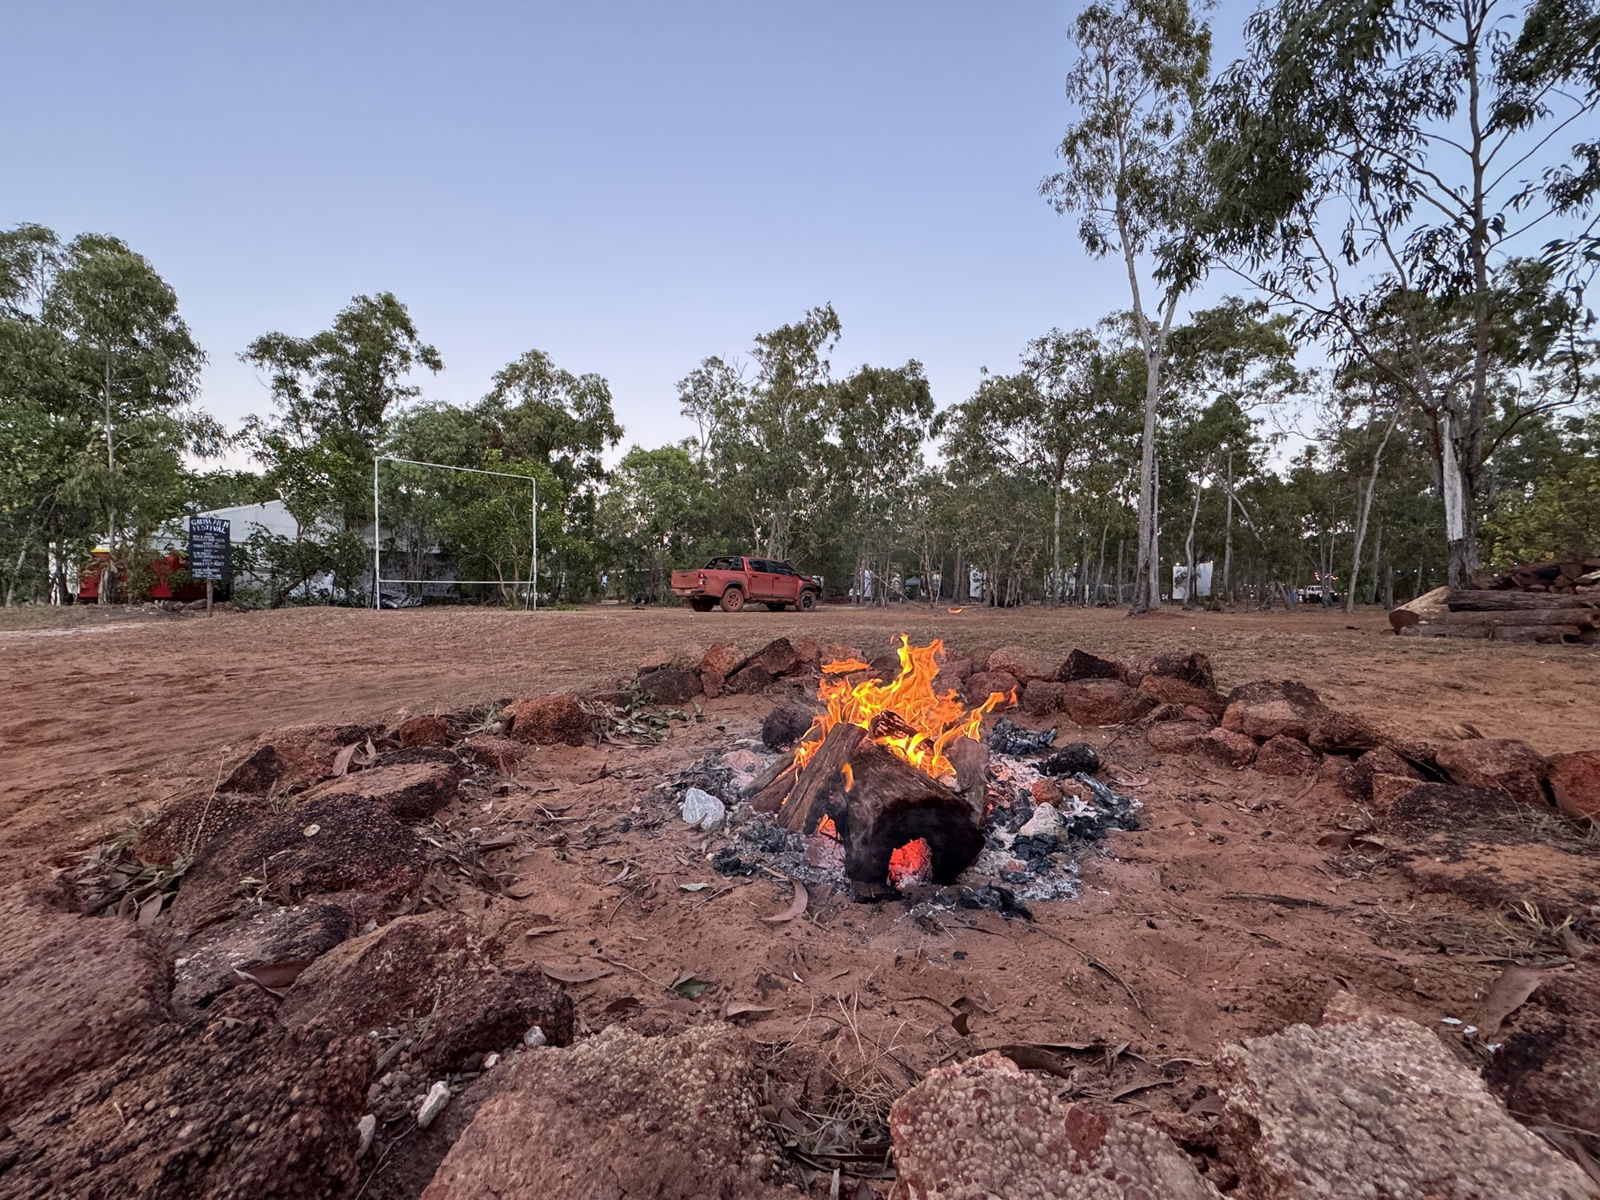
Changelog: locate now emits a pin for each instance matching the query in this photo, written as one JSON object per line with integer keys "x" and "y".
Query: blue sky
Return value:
{"x": 628, "y": 186}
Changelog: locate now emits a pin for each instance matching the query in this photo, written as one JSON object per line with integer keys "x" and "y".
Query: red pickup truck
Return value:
{"x": 732, "y": 582}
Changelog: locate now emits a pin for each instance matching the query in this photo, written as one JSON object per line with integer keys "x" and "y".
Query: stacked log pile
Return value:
{"x": 1553, "y": 602}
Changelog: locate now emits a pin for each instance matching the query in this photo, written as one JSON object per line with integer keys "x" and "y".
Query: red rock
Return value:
{"x": 1228, "y": 747}
{"x": 422, "y": 731}
{"x": 1575, "y": 781}
{"x": 1081, "y": 664}
{"x": 1343, "y": 733}
{"x": 749, "y": 680}
{"x": 1382, "y": 761}
{"x": 1269, "y": 708}
{"x": 983, "y": 684}
{"x": 183, "y": 826}
{"x": 1382, "y": 791}
{"x": 1546, "y": 1069}
{"x": 208, "y": 963}
{"x": 1190, "y": 667}
{"x": 498, "y": 754}
{"x": 75, "y": 992}
{"x": 1176, "y": 737}
{"x": 227, "y": 1104}
{"x": 1045, "y": 791}
{"x": 354, "y": 845}
{"x": 1168, "y": 690}
{"x": 982, "y": 1128}
{"x": 777, "y": 658}
{"x": 545, "y": 720}
{"x": 1104, "y": 702}
{"x": 807, "y": 650}
{"x": 1456, "y": 812}
{"x": 1041, "y": 697}
{"x": 721, "y": 660}
{"x": 294, "y": 756}
{"x": 1340, "y": 772}
{"x": 1375, "y": 1099}
{"x": 619, "y": 1117}
{"x": 410, "y": 791}
{"x": 787, "y": 724}
{"x": 493, "y": 1013}
{"x": 1022, "y": 664}
{"x": 1508, "y": 764}
{"x": 833, "y": 652}
{"x": 670, "y": 685}
{"x": 1285, "y": 756}
{"x": 711, "y": 686}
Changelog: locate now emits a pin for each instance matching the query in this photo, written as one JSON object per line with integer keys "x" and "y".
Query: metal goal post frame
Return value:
{"x": 377, "y": 539}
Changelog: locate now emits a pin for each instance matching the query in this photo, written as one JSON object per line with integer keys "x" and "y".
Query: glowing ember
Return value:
{"x": 905, "y": 714}
{"x": 910, "y": 864}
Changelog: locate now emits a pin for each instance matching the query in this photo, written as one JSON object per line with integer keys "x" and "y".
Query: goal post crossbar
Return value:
{"x": 378, "y": 579}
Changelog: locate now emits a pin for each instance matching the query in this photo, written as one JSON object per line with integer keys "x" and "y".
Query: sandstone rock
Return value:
{"x": 294, "y": 756}
{"x": 1308, "y": 1112}
{"x": 749, "y": 680}
{"x": 721, "y": 659}
{"x": 1022, "y": 664}
{"x": 621, "y": 1116}
{"x": 807, "y": 650}
{"x": 353, "y": 845}
{"x": 410, "y": 791}
{"x": 75, "y": 992}
{"x": 1457, "y": 812}
{"x": 208, "y": 963}
{"x": 545, "y": 720}
{"x": 397, "y": 971}
{"x": 1228, "y": 747}
{"x": 1081, "y": 664}
{"x": 1546, "y": 1068}
{"x": 1166, "y": 689}
{"x": 787, "y": 724}
{"x": 982, "y": 684}
{"x": 982, "y": 1128}
{"x": 1508, "y": 764}
{"x": 495, "y": 753}
{"x": 712, "y": 686}
{"x": 1104, "y": 702}
{"x": 833, "y": 652}
{"x": 492, "y": 1014}
{"x": 777, "y": 658}
{"x": 1285, "y": 756}
{"x": 228, "y": 1104}
{"x": 1340, "y": 772}
{"x": 1382, "y": 761}
{"x": 1575, "y": 781}
{"x": 670, "y": 685}
{"x": 1382, "y": 791}
{"x": 1268, "y": 708}
{"x": 1190, "y": 667}
{"x": 1176, "y": 737}
{"x": 422, "y": 731}
{"x": 183, "y": 826}
{"x": 1042, "y": 697}
{"x": 1344, "y": 733}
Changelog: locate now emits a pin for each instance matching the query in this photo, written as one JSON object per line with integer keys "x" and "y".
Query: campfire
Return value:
{"x": 894, "y": 771}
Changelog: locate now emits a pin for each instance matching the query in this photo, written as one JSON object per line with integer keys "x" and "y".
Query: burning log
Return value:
{"x": 890, "y": 804}
{"x": 821, "y": 780}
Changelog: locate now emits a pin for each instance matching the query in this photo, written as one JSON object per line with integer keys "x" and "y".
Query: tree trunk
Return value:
{"x": 1363, "y": 510}
{"x": 1055, "y": 547}
{"x": 1377, "y": 559}
{"x": 1122, "y": 545}
{"x": 108, "y": 572}
{"x": 1460, "y": 537}
{"x": 1227, "y": 539}
{"x": 1100, "y": 570}
{"x": 1188, "y": 550}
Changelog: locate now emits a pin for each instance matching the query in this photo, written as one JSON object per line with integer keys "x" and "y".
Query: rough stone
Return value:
{"x": 294, "y": 756}
{"x": 1344, "y": 733}
{"x": 1081, "y": 664}
{"x": 721, "y": 659}
{"x": 807, "y": 650}
{"x": 75, "y": 992}
{"x": 353, "y": 845}
{"x": 983, "y": 684}
{"x": 1575, "y": 782}
{"x": 1022, "y": 664}
{"x": 422, "y": 731}
{"x": 982, "y": 1128}
{"x": 1166, "y": 689}
{"x": 787, "y": 724}
{"x": 1382, "y": 761}
{"x": 1228, "y": 747}
{"x": 1287, "y": 757}
{"x": 777, "y": 658}
{"x": 493, "y": 752}
{"x": 410, "y": 791}
{"x": 835, "y": 652}
{"x": 670, "y": 685}
{"x": 1176, "y": 737}
{"x": 1379, "y": 1100}
{"x": 183, "y": 826}
{"x": 1041, "y": 697}
{"x": 1104, "y": 702}
{"x": 208, "y": 963}
{"x": 1189, "y": 666}
{"x": 749, "y": 680}
{"x": 545, "y": 720}
{"x": 492, "y": 1014}
{"x": 1505, "y": 763}
{"x": 621, "y": 1116}
{"x": 1546, "y": 1068}
{"x": 228, "y": 1104}
{"x": 1270, "y": 708}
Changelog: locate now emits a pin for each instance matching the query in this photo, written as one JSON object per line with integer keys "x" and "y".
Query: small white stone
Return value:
{"x": 534, "y": 1038}
{"x": 312, "y": 830}
{"x": 702, "y": 810}
{"x": 490, "y": 1060}
{"x": 433, "y": 1104}
{"x": 365, "y": 1128}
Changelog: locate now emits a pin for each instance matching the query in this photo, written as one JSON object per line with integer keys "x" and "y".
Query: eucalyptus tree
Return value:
{"x": 1376, "y": 162}
{"x": 1131, "y": 177}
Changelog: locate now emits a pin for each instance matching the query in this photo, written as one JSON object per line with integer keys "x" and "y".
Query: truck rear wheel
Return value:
{"x": 807, "y": 601}
{"x": 700, "y": 603}
{"x": 732, "y": 600}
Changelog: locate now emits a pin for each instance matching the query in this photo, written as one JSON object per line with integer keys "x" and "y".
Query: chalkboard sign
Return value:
{"x": 208, "y": 548}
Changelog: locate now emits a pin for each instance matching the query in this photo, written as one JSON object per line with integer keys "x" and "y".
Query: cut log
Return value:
{"x": 1550, "y": 634}
{"x": 890, "y": 803}
{"x": 1425, "y": 607}
{"x": 1531, "y": 616}
{"x": 767, "y": 791}
{"x": 821, "y": 781}
{"x": 970, "y": 758}
{"x": 1481, "y": 630}
{"x": 1475, "y": 601}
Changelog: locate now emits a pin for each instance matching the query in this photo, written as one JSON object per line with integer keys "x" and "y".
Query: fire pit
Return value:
{"x": 894, "y": 785}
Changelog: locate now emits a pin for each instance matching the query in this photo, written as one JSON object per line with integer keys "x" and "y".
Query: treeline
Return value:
{"x": 1403, "y": 390}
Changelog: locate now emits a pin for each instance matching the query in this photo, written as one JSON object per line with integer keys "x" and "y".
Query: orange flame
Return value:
{"x": 916, "y": 723}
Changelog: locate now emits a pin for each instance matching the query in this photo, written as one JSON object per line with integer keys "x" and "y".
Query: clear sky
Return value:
{"x": 627, "y": 185}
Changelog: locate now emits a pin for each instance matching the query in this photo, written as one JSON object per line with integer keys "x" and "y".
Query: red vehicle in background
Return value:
{"x": 165, "y": 578}
{"x": 732, "y": 581}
